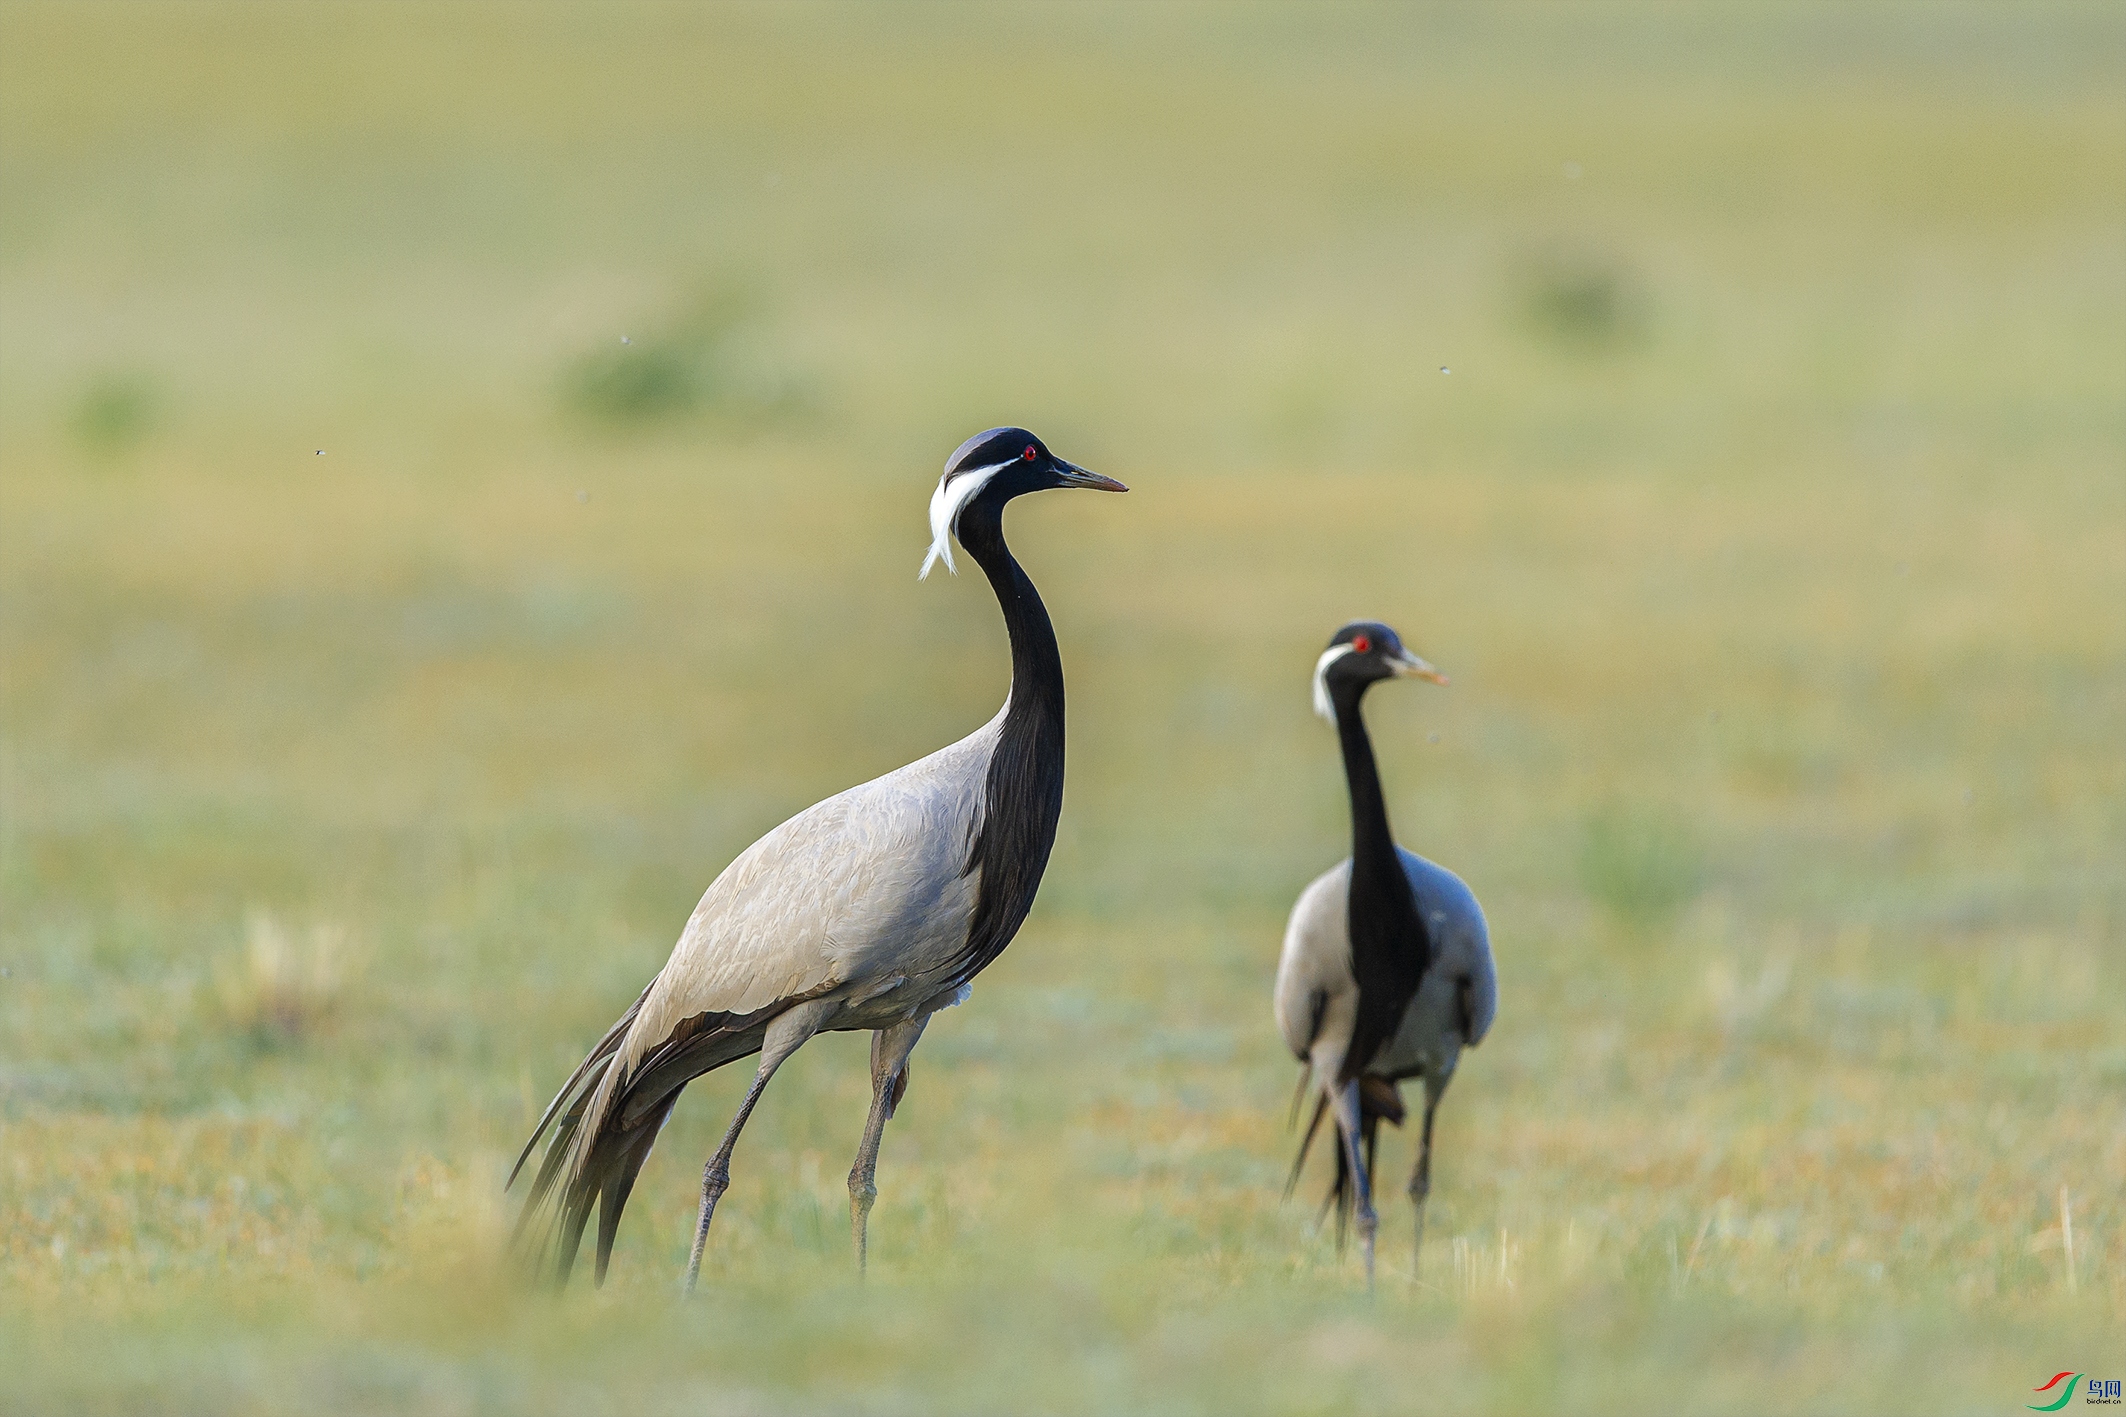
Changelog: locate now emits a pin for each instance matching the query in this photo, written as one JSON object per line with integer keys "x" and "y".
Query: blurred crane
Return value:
{"x": 870, "y": 910}
{"x": 1386, "y": 972}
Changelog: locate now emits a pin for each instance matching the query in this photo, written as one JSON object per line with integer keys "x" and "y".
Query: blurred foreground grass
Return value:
{"x": 392, "y": 654}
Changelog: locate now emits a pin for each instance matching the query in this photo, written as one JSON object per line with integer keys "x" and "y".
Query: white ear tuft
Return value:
{"x": 954, "y": 492}
{"x": 940, "y": 532}
{"x": 1329, "y": 656}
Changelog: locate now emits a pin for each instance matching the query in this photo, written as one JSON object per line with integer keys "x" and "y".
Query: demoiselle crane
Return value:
{"x": 870, "y": 910}
{"x": 1386, "y": 972}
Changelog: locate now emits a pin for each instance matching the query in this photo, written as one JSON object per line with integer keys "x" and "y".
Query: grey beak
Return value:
{"x": 1411, "y": 667}
{"x": 1075, "y": 476}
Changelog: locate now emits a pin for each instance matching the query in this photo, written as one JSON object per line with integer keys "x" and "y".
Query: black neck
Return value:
{"x": 1036, "y": 663}
{"x": 1372, "y": 840}
{"x": 1390, "y": 947}
{"x": 1023, "y": 789}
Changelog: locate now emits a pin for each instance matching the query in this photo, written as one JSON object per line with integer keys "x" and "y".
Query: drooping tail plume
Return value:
{"x": 605, "y": 1119}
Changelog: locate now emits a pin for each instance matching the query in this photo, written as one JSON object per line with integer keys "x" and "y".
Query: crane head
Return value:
{"x": 1360, "y": 655}
{"x": 994, "y": 467}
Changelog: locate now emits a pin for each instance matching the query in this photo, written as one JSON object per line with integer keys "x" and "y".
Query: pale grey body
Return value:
{"x": 855, "y": 906}
{"x": 1317, "y": 1011}
{"x": 859, "y": 902}
{"x": 1317, "y": 994}
{"x": 850, "y": 915}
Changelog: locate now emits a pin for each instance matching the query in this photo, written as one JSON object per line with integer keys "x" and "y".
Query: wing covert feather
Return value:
{"x": 871, "y": 880}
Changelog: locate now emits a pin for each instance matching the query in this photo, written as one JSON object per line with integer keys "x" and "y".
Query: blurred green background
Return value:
{"x": 464, "y": 474}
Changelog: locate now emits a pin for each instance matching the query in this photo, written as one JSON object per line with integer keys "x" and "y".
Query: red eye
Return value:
{"x": 1362, "y": 644}
{"x": 1028, "y": 454}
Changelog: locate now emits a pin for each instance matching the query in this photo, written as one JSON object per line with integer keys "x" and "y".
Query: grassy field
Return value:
{"x": 1731, "y": 398}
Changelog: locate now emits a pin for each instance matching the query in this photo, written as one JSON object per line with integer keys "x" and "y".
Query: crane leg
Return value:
{"x": 1421, "y": 1177}
{"x": 890, "y": 1048}
{"x": 1347, "y": 1125}
{"x": 784, "y": 1037}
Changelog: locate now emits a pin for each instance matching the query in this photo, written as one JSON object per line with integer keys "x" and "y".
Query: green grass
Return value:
{"x": 391, "y": 655}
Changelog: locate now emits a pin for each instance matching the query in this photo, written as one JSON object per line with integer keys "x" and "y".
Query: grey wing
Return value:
{"x": 1315, "y": 986}
{"x": 855, "y": 898}
{"x": 864, "y": 891}
{"x": 1460, "y": 939}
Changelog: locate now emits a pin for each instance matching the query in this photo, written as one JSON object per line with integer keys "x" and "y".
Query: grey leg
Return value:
{"x": 1346, "y": 1100}
{"x": 890, "y": 1048}
{"x": 1421, "y": 1177}
{"x": 784, "y": 1037}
